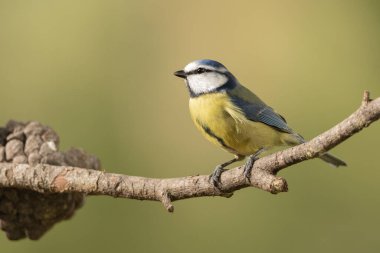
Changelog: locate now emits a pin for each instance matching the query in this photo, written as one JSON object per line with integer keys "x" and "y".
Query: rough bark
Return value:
{"x": 50, "y": 179}
{"x": 28, "y": 213}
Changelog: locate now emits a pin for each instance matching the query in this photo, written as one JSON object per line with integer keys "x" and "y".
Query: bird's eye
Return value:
{"x": 201, "y": 70}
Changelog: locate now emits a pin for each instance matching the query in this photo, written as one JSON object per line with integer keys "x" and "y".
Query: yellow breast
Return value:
{"x": 223, "y": 124}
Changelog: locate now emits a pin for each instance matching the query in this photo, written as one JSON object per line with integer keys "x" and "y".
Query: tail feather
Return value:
{"x": 295, "y": 139}
{"x": 332, "y": 160}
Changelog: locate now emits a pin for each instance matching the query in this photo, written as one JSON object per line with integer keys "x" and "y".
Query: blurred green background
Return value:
{"x": 100, "y": 73}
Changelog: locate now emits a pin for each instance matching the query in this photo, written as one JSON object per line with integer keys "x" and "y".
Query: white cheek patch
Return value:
{"x": 206, "y": 82}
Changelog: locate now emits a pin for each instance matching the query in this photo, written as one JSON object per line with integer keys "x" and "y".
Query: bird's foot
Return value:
{"x": 215, "y": 176}
{"x": 248, "y": 167}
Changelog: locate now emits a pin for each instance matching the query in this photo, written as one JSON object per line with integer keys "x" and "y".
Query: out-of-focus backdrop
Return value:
{"x": 101, "y": 74}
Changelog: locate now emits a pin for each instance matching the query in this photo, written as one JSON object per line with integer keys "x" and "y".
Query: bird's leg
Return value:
{"x": 251, "y": 161}
{"x": 215, "y": 176}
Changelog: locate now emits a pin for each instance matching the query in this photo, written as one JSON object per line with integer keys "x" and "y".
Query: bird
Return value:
{"x": 231, "y": 116}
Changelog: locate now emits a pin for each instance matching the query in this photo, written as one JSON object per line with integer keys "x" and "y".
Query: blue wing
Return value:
{"x": 260, "y": 112}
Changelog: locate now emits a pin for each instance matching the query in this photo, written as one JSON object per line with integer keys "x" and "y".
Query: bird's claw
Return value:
{"x": 248, "y": 167}
{"x": 215, "y": 176}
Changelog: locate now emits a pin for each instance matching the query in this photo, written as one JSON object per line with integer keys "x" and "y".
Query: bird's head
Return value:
{"x": 206, "y": 76}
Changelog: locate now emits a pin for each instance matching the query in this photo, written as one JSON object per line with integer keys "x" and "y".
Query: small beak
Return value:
{"x": 180, "y": 73}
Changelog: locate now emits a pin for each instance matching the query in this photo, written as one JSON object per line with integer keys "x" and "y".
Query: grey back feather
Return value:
{"x": 260, "y": 112}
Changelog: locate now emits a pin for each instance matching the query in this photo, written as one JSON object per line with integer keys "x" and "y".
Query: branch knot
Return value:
{"x": 165, "y": 199}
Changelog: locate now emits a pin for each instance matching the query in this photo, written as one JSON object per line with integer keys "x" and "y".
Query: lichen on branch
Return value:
{"x": 25, "y": 212}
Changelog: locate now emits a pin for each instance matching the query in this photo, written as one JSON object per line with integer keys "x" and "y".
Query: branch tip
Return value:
{"x": 278, "y": 185}
{"x": 366, "y": 98}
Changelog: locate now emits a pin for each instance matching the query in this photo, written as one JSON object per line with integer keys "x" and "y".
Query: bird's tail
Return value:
{"x": 295, "y": 139}
{"x": 332, "y": 160}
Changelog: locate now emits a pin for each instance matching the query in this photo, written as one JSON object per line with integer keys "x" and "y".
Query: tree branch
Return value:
{"x": 46, "y": 178}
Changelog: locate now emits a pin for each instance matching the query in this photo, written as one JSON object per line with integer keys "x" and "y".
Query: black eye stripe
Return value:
{"x": 199, "y": 71}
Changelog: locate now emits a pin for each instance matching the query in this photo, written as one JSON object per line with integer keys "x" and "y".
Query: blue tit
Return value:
{"x": 234, "y": 118}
